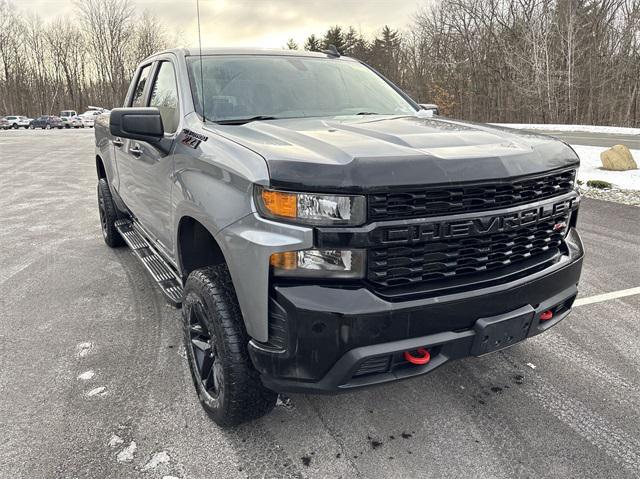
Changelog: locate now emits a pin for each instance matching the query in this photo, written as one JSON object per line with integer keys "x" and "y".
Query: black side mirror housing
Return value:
{"x": 144, "y": 124}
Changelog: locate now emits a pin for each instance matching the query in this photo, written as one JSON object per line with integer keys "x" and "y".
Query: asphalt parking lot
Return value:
{"x": 94, "y": 382}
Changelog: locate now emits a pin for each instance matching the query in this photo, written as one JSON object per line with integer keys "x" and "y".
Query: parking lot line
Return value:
{"x": 607, "y": 296}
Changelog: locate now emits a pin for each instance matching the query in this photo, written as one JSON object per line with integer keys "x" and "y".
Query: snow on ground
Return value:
{"x": 614, "y": 130}
{"x": 590, "y": 168}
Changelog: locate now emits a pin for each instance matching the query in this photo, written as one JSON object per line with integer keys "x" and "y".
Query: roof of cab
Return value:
{"x": 195, "y": 51}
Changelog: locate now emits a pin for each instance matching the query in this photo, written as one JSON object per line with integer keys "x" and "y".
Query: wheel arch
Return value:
{"x": 100, "y": 169}
{"x": 196, "y": 246}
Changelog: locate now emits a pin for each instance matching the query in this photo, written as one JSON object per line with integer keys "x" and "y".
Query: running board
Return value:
{"x": 162, "y": 273}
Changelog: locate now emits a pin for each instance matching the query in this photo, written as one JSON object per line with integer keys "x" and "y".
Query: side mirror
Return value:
{"x": 144, "y": 124}
{"x": 430, "y": 107}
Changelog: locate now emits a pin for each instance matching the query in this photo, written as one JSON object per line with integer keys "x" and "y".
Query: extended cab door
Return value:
{"x": 126, "y": 183}
{"x": 149, "y": 168}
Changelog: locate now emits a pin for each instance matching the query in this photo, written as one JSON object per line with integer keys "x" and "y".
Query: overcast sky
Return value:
{"x": 253, "y": 22}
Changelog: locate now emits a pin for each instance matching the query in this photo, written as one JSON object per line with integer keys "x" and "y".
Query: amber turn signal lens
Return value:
{"x": 279, "y": 203}
{"x": 286, "y": 260}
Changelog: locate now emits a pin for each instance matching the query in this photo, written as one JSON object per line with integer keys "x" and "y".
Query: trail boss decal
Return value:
{"x": 192, "y": 139}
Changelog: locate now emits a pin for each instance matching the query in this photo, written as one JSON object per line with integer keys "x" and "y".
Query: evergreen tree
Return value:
{"x": 334, "y": 36}
{"x": 312, "y": 44}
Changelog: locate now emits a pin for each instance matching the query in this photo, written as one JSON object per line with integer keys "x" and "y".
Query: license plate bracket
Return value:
{"x": 499, "y": 332}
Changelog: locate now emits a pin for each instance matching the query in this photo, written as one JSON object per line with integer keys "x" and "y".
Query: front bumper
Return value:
{"x": 332, "y": 339}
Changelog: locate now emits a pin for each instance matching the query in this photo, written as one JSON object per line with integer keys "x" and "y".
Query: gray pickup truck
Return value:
{"x": 320, "y": 232}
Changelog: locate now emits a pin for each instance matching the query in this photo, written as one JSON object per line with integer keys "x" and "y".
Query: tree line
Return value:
{"x": 71, "y": 63}
{"x": 529, "y": 61}
{"x": 546, "y": 61}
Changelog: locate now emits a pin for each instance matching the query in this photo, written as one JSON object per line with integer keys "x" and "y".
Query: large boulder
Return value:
{"x": 618, "y": 158}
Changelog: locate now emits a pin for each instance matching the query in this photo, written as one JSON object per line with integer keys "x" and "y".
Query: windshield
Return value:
{"x": 242, "y": 86}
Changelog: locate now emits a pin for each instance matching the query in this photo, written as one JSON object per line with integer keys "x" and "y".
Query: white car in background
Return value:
{"x": 76, "y": 122}
{"x": 17, "y": 121}
{"x": 88, "y": 117}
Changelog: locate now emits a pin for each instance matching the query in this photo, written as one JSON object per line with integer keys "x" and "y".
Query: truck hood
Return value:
{"x": 374, "y": 153}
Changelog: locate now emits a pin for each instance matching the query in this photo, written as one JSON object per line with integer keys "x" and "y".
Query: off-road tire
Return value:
{"x": 108, "y": 215}
{"x": 209, "y": 294}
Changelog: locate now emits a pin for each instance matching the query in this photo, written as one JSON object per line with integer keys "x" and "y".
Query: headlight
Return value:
{"x": 319, "y": 263}
{"x": 310, "y": 208}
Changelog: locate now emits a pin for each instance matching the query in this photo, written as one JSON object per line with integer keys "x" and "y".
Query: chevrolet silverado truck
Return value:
{"x": 320, "y": 233}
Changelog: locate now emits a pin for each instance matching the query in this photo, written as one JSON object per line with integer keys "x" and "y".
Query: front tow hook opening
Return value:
{"x": 546, "y": 315}
{"x": 422, "y": 357}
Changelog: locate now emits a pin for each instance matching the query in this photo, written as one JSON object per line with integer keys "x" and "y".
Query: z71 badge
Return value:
{"x": 192, "y": 139}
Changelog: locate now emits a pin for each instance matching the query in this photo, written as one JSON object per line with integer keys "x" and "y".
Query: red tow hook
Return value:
{"x": 546, "y": 316}
{"x": 423, "y": 359}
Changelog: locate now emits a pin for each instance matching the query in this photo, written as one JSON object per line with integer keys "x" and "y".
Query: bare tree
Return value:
{"x": 574, "y": 61}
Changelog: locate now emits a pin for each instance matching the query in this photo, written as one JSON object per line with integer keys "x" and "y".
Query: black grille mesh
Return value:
{"x": 443, "y": 200}
{"x": 397, "y": 266}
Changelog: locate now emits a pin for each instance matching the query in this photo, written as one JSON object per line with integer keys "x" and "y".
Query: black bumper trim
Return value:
{"x": 331, "y": 330}
{"x": 450, "y": 345}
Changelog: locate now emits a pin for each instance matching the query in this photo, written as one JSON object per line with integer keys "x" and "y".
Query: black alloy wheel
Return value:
{"x": 205, "y": 353}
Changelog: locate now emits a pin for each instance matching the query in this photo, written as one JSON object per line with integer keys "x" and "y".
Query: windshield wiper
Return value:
{"x": 242, "y": 121}
{"x": 367, "y": 113}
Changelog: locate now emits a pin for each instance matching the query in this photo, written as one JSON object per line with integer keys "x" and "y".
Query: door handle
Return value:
{"x": 117, "y": 142}
{"x": 135, "y": 150}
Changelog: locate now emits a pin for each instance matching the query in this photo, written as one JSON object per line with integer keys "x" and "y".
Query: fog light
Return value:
{"x": 327, "y": 263}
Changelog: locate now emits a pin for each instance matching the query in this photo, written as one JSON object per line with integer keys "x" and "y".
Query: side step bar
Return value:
{"x": 162, "y": 273}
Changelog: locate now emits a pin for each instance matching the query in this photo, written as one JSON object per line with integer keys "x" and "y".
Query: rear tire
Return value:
{"x": 228, "y": 386}
{"x": 108, "y": 215}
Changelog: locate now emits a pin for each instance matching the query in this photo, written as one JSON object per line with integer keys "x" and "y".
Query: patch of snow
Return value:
{"x": 85, "y": 376}
{"x": 83, "y": 349}
{"x": 590, "y": 165}
{"x": 115, "y": 441}
{"x": 158, "y": 458}
{"x": 101, "y": 391}
{"x": 614, "y": 130}
{"x": 170, "y": 477}
{"x": 284, "y": 401}
{"x": 126, "y": 455}
{"x": 182, "y": 352}
{"x": 532, "y": 366}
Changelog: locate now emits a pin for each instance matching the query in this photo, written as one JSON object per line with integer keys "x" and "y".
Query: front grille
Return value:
{"x": 443, "y": 200}
{"x": 451, "y": 261}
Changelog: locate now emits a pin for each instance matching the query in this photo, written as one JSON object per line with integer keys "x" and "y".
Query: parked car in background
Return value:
{"x": 15, "y": 121}
{"x": 66, "y": 115}
{"x": 76, "y": 122}
{"x": 3, "y": 123}
{"x": 46, "y": 122}
{"x": 89, "y": 116}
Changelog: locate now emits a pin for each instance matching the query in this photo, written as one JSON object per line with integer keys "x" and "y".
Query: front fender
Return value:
{"x": 247, "y": 246}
